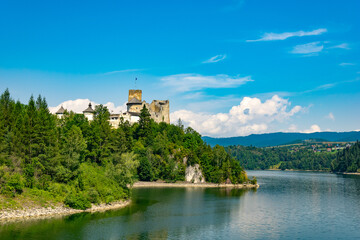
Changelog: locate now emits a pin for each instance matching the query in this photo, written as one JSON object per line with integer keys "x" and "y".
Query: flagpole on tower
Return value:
{"x": 135, "y": 82}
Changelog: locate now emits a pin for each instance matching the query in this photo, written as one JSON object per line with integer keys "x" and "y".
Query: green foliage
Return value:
{"x": 281, "y": 158}
{"x": 347, "y": 160}
{"x": 14, "y": 184}
{"x": 81, "y": 162}
{"x": 77, "y": 201}
{"x": 253, "y": 180}
{"x": 145, "y": 170}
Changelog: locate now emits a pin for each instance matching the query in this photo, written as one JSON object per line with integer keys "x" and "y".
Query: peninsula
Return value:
{"x": 51, "y": 164}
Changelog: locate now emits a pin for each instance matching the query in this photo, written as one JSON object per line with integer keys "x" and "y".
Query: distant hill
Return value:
{"x": 280, "y": 138}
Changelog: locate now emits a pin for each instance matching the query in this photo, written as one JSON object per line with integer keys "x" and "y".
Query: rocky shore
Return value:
{"x": 61, "y": 210}
{"x": 42, "y": 212}
{"x": 195, "y": 185}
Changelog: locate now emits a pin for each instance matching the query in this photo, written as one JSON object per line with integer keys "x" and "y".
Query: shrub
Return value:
{"x": 77, "y": 201}
{"x": 253, "y": 180}
{"x": 93, "y": 196}
{"x": 109, "y": 199}
{"x": 14, "y": 184}
{"x": 59, "y": 189}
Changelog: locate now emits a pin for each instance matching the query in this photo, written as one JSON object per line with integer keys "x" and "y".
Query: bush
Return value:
{"x": 77, "y": 201}
{"x": 14, "y": 184}
{"x": 109, "y": 199}
{"x": 93, "y": 196}
{"x": 253, "y": 180}
{"x": 59, "y": 189}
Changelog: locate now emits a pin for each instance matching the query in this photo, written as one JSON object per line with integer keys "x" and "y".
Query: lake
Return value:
{"x": 288, "y": 205}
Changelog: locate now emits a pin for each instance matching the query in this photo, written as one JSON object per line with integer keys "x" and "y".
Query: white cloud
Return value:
{"x": 286, "y": 35}
{"x": 342, "y": 46}
{"x": 191, "y": 82}
{"x": 308, "y": 48}
{"x": 330, "y": 116}
{"x": 80, "y": 105}
{"x": 215, "y": 59}
{"x": 250, "y": 116}
{"x": 347, "y": 64}
{"x": 312, "y": 129}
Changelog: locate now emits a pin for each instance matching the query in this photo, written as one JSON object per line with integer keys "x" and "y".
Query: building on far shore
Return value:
{"x": 159, "y": 110}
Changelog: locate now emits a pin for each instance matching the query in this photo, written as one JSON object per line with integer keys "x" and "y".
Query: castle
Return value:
{"x": 158, "y": 109}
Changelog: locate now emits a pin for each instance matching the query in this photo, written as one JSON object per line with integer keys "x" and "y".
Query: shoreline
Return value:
{"x": 321, "y": 171}
{"x": 8, "y": 215}
{"x": 350, "y": 173}
{"x": 142, "y": 184}
{"x": 57, "y": 211}
{"x": 294, "y": 170}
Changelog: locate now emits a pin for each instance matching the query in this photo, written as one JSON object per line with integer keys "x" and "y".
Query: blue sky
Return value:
{"x": 231, "y": 67}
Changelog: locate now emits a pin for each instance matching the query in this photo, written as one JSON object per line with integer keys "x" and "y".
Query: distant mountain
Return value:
{"x": 280, "y": 138}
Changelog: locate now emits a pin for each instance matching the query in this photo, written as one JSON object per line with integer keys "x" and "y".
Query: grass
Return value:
{"x": 30, "y": 198}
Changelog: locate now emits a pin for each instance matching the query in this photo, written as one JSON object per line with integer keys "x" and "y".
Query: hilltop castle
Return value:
{"x": 158, "y": 109}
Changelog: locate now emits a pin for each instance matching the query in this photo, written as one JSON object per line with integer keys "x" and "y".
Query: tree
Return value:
{"x": 98, "y": 139}
{"x": 144, "y": 131}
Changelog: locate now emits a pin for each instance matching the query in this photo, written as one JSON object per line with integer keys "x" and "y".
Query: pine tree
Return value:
{"x": 145, "y": 126}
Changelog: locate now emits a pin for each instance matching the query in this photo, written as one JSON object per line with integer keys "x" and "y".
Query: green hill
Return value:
{"x": 46, "y": 160}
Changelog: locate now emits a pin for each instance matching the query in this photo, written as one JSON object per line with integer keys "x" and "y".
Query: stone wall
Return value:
{"x": 160, "y": 111}
{"x": 135, "y": 107}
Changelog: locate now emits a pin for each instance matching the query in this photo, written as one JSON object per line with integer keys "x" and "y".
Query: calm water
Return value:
{"x": 288, "y": 205}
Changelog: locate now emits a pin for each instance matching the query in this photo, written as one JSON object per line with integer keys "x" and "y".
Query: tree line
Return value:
{"x": 82, "y": 162}
{"x": 347, "y": 160}
{"x": 254, "y": 158}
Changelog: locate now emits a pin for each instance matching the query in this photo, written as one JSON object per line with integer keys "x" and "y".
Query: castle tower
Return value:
{"x": 89, "y": 113}
{"x": 60, "y": 112}
{"x": 160, "y": 111}
{"x": 134, "y": 103}
{"x": 135, "y": 93}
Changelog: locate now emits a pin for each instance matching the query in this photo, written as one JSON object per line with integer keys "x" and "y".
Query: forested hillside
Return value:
{"x": 78, "y": 162}
{"x": 344, "y": 160}
{"x": 281, "y": 158}
{"x": 348, "y": 160}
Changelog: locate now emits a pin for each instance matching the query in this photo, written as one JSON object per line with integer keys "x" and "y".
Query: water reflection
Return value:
{"x": 287, "y": 205}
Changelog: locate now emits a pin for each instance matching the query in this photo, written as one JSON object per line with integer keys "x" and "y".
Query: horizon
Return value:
{"x": 231, "y": 68}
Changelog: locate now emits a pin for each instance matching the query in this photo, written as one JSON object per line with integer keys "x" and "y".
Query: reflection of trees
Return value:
{"x": 232, "y": 192}
{"x": 156, "y": 213}
{"x": 158, "y": 235}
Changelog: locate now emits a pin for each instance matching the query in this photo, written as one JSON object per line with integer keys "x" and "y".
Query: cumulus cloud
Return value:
{"x": 215, "y": 59}
{"x": 286, "y": 35}
{"x": 190, "y": 82}
{"x": 250, "y": 116}
{"x": 308, "y": 48}
{"x": 80, "y": 105}
{"x": 313, "y": 128}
